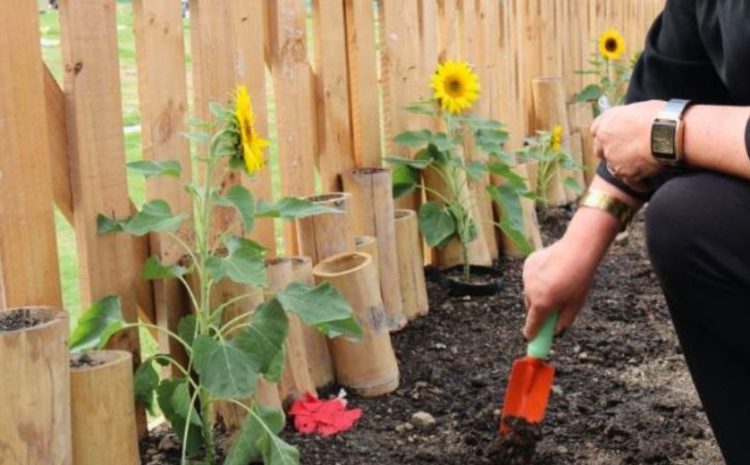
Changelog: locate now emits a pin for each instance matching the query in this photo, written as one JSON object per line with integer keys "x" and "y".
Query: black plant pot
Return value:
{"x": 456, "y": 287}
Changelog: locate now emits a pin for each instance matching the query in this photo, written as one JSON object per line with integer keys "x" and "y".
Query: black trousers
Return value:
{"x": 698, "y": 235}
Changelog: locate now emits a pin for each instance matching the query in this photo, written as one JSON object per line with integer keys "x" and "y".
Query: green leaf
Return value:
{"x": 242, "y": 200}
{"x": 423, "y": 107}
{"x": 217, "y": 109}
{"x": 322, "y": 306}
{"x": 244, "y": 264}
{"x": 590, "y": 93}
{"x": 405, "y": 180}
{"x": 145, "y": 382}
{"x": 276, "y": 367}
{"x": 419, "y": 164}
{"x": 97, "y": 325}
{"x": 292, "y": 208}
{"x": 154, "y": 269}
{"x": 436, "y": 223}
{"x": 414, "y": 138}
{"x": 475, "y": 170}
{"x": 151, "y": 168}
{"x": 199, "y": 137}
{"x": 503, "y": 170}
{"x": 106, "y": 225}
{"x": 572, "y": 185}
{"x": 278, "y": 452}
{"x": 237, "y": 243}
{"x": 225, "y": 371}
{"x": 174, "y": 400}
{"x": 484, "y": 124}
{"x": 247, "y": 446}
{"x": 155, "y": 216}
{"x": 186, "y": 328}
{"x": 511, "y": 218}
{"x": 263, "y": 339}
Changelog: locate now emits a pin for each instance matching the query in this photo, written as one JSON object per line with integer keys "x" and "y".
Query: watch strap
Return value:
{"x": 674, "y": 109}
{"x": 616, "y": 207}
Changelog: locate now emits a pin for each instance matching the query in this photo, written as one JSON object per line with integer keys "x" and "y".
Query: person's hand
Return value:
{"x": 622, "y": 137}
{"x": 558, "y": 277}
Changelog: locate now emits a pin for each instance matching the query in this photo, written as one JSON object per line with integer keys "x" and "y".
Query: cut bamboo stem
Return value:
{"x": 322, "y": 236}
{"x": 576, "y": 149}
{"x": 369, "y": 366}
{"x": 318, "y": 357}
{"x": 410, "y": 265}
{"x": 35, "y": 392}
{"x": 102, "y": 409}
{"x": 550, "y": 111}
{"x": 296, "y": 379}
{"x": 451, "y": 255}
{"x": 372, "y": 209}
{"x": 528, "y": 171}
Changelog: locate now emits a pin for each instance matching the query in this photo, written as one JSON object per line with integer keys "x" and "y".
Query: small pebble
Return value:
{"x": 423, "y": 419}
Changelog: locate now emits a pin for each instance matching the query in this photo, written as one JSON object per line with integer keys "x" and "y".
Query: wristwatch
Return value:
{"x": 667, "y": 133}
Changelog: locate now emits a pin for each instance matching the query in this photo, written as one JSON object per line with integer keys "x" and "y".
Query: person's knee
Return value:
{"x": 697, "y": 229}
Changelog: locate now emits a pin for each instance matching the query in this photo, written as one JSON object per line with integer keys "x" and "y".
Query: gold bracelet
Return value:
{"x": 619, "y": 209}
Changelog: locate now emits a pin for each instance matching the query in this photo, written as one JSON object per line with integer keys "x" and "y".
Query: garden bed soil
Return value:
{"x": 84, "y": 361}
{"x": 622, "y": 394}
{"x": 21, "y": 318}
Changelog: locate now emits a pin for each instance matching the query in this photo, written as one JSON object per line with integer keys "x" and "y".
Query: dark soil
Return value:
{"x": 622, "y": 394}
{"x": 84, "y": 360}
{"x": 21, "y": 318}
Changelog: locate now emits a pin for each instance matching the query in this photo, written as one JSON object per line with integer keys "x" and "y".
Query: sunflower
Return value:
{"x": 252, "y": 144}
{"x": 556, "y": 140}
{"x": 611, "y": 44}
{"x": 456, "y": 86}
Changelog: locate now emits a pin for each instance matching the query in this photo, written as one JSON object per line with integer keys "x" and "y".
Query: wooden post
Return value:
{"x": 101, "y": 402}
{"x": 318, "y": 357}
{"x": 321, "y": 236}
{"x": 363, "y": 78}
{"x": 550, "y": 111}
{"x": 294, "y": 92}
{"x": 296, "y": 379}
{"x": 35, "y": 393}
{"x": 410, "y": 265}
{"x": 335, "y": 149}
{"x": 162, "y": 93}
{"x": 369, "y": 366}
{"x": 29, "y": 272}
{"x": 372, "y": 207}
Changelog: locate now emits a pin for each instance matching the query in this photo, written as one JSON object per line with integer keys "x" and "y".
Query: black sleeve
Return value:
{"x": 674, "y": 64}
{"x": 747, "y": 137}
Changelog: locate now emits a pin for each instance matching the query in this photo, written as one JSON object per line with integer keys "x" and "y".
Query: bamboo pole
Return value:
{"x": 322, "y": 236}
{"x": 372, "y": 209}
{"x": 410, "y": 265}
{"x": 369, "y": 245}
{"x": 533, "y": 235}
{"x": 550, "y": 111}
{"x": 576, "y": 149}
{"x": 296, "y": 379}
{"x": 369, "y": 366}
{"x": 318, "y": 357}
{"x": 35, "y": 393}
{"x": 102, "y": 410}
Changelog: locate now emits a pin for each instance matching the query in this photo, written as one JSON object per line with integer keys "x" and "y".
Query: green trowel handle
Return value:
{"x": 540, "y": 345}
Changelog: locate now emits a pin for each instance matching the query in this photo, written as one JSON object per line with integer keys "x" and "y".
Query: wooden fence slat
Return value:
{"x": 162, "y": 93}
{"x": 448, "y": 38}
{"x": 29, "y": 272}
{"x": 400, "y": 68}
{"x": 57, "y": 129}
{"x": 363, "y": 78}
{"x": 93, "y": 105}
{"x": 250, "y": 69}
{"x": 295, "y": 115}
{"x": 335, "y": 148}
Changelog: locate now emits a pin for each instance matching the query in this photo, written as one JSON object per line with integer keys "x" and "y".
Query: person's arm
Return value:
{"x": 717, "y": 138}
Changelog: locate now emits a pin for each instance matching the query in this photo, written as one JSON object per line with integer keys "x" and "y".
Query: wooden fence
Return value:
{"x": 338, "y": 102}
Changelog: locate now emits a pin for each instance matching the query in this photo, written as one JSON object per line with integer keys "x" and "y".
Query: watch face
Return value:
{"x": 662, "y": 139}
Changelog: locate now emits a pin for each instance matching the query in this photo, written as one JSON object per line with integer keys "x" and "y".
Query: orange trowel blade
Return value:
{"x": 528, "y": 391}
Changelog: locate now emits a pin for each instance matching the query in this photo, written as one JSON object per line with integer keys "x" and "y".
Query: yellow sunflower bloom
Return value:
{"x": 252, "y": 143}
{"x": 556, "y": 141}
{"x": 456, "y": 86}
{"x": 611, "y": 44}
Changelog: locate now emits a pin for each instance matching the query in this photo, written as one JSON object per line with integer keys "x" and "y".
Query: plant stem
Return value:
{"x": 208, "y": 430}
{"x": 465, "y": 256}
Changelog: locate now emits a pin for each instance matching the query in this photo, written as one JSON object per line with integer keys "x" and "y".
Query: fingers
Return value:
{"x": 534, "y": 320}
{"x": 567, "y": 317}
